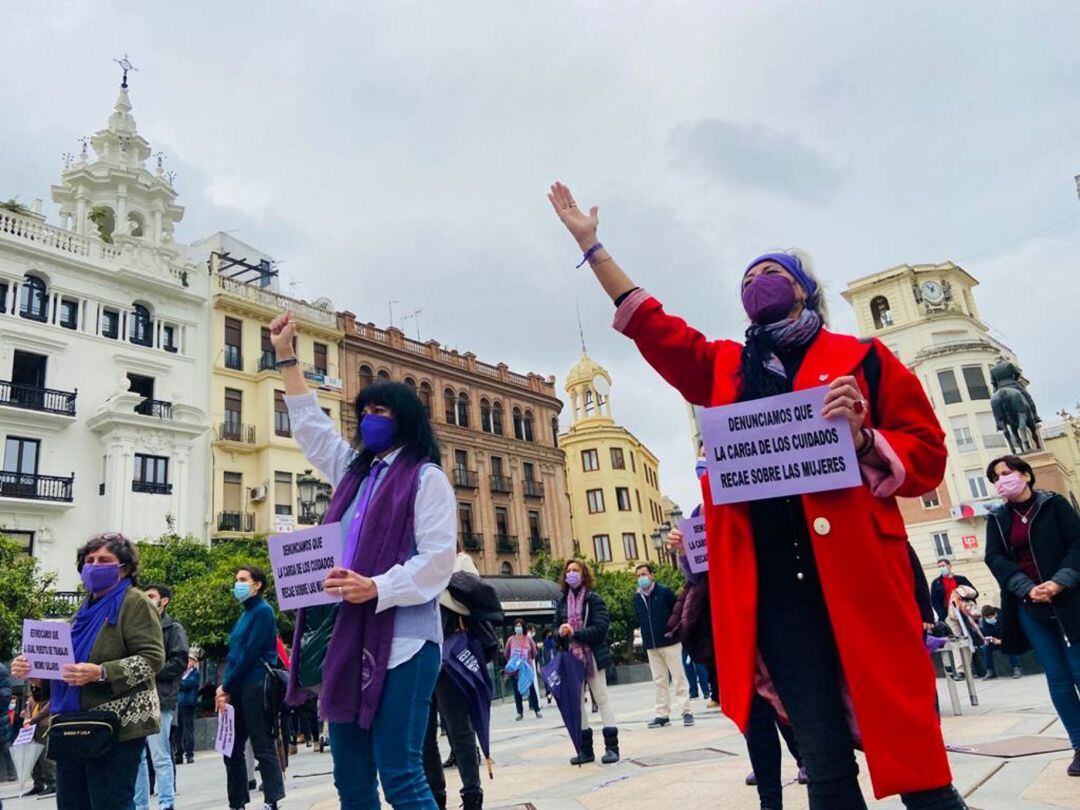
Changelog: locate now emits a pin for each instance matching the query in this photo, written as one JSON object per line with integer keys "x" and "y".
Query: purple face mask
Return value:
{"x": 378, "y": 432}
{"x": 769, "y": 298}
{"x": 99, "y": 578}
{"x": 573, "y": 579}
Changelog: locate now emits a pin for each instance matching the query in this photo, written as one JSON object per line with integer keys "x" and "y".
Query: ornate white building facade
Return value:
{"x": 104, "y": 361}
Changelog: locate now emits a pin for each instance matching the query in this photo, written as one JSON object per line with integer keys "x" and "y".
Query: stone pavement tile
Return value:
{"x": 1053, "y": 786}
{"x": 975, "y": 727}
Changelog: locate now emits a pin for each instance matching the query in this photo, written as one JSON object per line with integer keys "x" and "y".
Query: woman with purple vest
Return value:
{"x": 397, "y": 513}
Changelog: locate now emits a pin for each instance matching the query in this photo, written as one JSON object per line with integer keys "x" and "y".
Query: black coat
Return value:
{"x": 1055, "y": 546}
{"x": 176, "y": 658}
{"x": 594, "y": 633}
{"x": 937, "y": 594}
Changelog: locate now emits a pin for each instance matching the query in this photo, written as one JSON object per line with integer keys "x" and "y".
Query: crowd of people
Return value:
{"x": 783, "y": 632}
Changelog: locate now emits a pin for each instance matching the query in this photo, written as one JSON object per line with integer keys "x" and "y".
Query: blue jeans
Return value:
{"x": 161, "y": 754}
{"x": 1062, "y": 664}
{"x": 391, "y": 751}
{"x": 988, "y": 659}
{"x": 696, "y": 674}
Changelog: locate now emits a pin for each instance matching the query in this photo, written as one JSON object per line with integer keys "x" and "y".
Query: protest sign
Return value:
{"x": 697, "y": 556}
{"x": 48, "y": 646}
{"x": 775, "y": 447}
{"x": 226, "y": 731}
{"x": 26, "y": 735}
{"x": 301, "y": 561}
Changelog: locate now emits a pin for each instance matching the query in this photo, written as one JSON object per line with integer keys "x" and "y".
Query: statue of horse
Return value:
{"x": 1016, "y": 420}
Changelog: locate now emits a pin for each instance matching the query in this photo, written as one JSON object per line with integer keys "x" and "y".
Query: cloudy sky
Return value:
{"x": 402, "y": 150}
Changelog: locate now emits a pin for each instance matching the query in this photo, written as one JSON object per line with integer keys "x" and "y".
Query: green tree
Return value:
{"x": 25, "y": 593}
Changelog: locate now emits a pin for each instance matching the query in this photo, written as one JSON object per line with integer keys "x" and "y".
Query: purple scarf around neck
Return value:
{"x": 575, "y": 617}
{"x": 358, "y": 655}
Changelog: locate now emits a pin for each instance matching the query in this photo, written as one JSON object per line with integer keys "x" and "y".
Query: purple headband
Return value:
{"x": 789, "y": 263}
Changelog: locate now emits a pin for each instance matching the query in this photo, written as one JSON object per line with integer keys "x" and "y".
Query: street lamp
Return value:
{"x": 322, "y": 501}
{"x": 307, "y": 485}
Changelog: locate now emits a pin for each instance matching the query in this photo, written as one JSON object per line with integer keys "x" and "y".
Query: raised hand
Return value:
{"x": 283, "y": 335}
{"x": 582, "y": 226}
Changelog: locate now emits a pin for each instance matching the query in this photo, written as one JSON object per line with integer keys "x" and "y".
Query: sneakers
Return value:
{"x": 688, "y": 720}
{"x": 519, "y": 718}
{"x": 751, "y": 779}
{"x": 1074, "y": 766}
{"x": 712, "y": 704}
{"x": 659, "y": 722}
{"x": 802, "y": 777}
{"x": 539, "y": 716}
{"x": 989, "y": 676}
{"x": 1017, "y": 673}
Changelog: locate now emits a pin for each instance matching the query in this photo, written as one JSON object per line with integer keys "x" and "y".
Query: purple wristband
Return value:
{"x": 589, "y": 253}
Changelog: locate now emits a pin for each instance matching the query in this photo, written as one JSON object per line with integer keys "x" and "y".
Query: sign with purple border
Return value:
{"x": 776, "y": 447}
{"x": 697, "y": 555}
{"x": 301, "y": 560}
{"x": 48, "y": 646}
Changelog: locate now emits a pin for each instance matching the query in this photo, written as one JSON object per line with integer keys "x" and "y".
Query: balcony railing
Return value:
{"x": 68, "y": 601}
{"x": 533, "y": 488}
{"x": 267, "y": 361}
{"x": 968, "y": 344}
{"x": 539, "y": 545}
{"x": 233, "y": 432}
{"x": 34, "y": 398}
{"x": 235, "y": 522}
{"x": 471, "y": 541}
{"x": 151, "y": 487}
{"x": 36, "y": 487}
{"x": 233, "y": 358}
{"x": 466, "y": 479}
{"x": 157, "y": 408}
{"x": 506, "y": 544}
{"x": 502, "y": 483}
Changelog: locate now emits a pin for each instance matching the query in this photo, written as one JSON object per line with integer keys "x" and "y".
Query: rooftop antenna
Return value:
{"x": 581, "y": 329}
{"x": 415, "y": 316}
{"x": 391, "y": 305}
{"x": 293, "y": 284}
{"x": 126, "y": 66}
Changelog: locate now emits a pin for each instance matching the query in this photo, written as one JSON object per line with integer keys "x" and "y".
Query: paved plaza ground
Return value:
{"x": 703, "y": 766}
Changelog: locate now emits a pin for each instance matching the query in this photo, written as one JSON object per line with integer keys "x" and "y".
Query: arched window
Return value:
{"x": 463, "y": 410}
{"x": 383, "y": 375}
{"x": 527, "y": 426}
{"x": 425, "y": 398}
{"x": 507, "y": 569}
{"x": 136, "y": 225}
{"x": 879, "y": 308}
{"x": 497, "y": 418}
{"x": 367, "y": 376}
{"x": 589, "y": 406}
{"x": 33, "y": 299}
{"x": 141, "y": 331}
{"x": 485, "y": 416}
{"x": 449, "y": 407}
{"x": 555, "y": 431}
{"x": 409, "y": 381}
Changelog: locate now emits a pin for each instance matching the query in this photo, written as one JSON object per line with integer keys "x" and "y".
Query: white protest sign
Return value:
{"x": 776, "y": 447}
{"x": 26, "y": 735}
{"x": 301, "y": 561}
{"x": 48, "y": 646}
{"x": 226, "y": 731}
{"x": 697, "y": 555}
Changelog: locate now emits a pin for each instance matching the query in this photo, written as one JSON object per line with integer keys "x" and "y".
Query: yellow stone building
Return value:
{"x": 257, "y": 465}
{"x": 613, "y": 479}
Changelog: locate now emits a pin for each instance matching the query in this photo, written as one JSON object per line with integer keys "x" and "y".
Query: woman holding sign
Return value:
{"x": 398, "y": 521}
{"x": 803, "y": 584}
{"x": 117, "y": 646}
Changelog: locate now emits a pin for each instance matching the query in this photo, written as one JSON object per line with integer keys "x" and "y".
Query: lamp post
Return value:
{"x": 307, "y": 485}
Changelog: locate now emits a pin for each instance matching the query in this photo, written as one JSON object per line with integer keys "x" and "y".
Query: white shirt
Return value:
{"x": 421, "y": 578}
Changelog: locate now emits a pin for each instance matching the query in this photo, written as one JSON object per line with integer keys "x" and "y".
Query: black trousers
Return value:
{"x": 454, "y": 709}
{"x": 763, "y": 745}
{"x": 534, "y": 700}
{"x": 105, "y": 783}
{"x": 186, "y": 729}
{"x": 252, "y": 722}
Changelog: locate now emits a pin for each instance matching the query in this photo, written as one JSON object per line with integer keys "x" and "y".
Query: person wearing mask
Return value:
{"x": 941, "y": 589}
{"x": 990, "y": 627}
{"x": 186, "y": 702}
{"x": 804, "y": 585}
{"x": 398, "y": 517}
{"x": 7, "y": 764}
{"x": 37, "y": 714}
{"x": 1033, "y": 551}
{"x": 521, "y": 647}
{"x": 175, "y": 641}
{"x": 252, "y": 647}
{"x": 116, "y": 639}
{"x": 653, "y": 604}
{"x": 583, "y": 622}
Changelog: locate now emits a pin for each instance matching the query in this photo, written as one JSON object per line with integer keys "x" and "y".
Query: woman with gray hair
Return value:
{"x": 811, "y": 603}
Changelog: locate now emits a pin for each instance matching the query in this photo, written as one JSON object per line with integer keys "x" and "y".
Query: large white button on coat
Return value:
{"x": 822, "y": 526}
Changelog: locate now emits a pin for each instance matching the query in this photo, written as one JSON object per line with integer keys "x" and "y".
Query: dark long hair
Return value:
{"x": 413, "y": 426}
{"x": 756, "y": 381}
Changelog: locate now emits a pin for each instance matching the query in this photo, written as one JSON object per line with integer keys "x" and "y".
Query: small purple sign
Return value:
{"x": 48, "y": 646}
{"x": 301, "y": 561}
{"x": 775, "y": 447}
{"x": 225, "y": 738}
{"x": 694, "y": 549}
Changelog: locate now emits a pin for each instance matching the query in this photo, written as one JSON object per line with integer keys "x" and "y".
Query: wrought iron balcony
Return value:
{"x": 34, "y": 398}
{"x": 235, "y": 432}
{"x": 158, "y": 408}
{"x": 267, "y": 361}
{"x": 151, "y": 487}
{"x": 235, "y": 522}
{"x": 466, "y": 479}
{"x": 233, "y": 358}
{"x": 506, "y": 544}
{"x": 533, "y": 488}
{"x": 36, "y": 487}
{"x": 539, "y": 545}
{"x": 471, "y": 541}
{"x": 501, "y": 483}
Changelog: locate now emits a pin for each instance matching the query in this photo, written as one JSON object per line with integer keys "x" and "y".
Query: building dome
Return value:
{"x": 585, "y": 371}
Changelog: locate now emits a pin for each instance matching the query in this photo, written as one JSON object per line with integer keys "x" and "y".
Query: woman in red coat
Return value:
{"x": 834, "y": 565}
